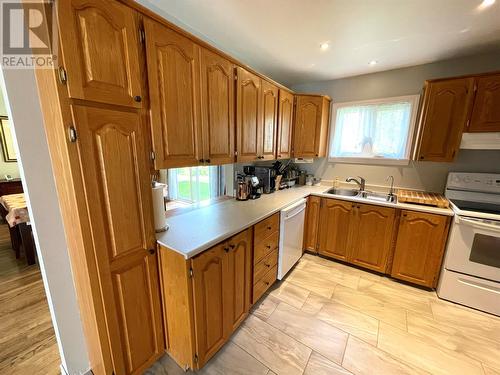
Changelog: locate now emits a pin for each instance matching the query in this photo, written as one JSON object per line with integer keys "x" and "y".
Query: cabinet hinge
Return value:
{"x": 142, "y": 35}
{"x": 72, "y": 134}
{"x": 191, "y": 272}
{"x": 63, "y": 76}
{"x": 196, "y": 358}
{"x": 153, "y": 155}
{"x": 236, "y": 153}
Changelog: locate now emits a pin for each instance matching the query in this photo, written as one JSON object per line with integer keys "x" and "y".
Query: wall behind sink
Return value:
{"x": 406, "y": 81}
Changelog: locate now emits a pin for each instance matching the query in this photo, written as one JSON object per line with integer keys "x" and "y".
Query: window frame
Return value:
{"x": 414, "y": 101}
{"x": 217, "y": 185}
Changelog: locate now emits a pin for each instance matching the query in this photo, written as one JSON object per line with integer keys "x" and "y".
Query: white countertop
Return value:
{"x": 192, "y": 232}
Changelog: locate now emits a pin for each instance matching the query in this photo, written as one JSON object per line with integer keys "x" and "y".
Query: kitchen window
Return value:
{"x": 194, "y": 184}
{"x": 374, "y": 131}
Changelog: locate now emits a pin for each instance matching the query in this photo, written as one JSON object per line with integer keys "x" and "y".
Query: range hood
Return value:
{"x": 480, "y": 141}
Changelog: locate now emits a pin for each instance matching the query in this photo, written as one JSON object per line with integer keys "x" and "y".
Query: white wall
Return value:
{"x": 20, "y": 91}
{"x": 407, "y": 81}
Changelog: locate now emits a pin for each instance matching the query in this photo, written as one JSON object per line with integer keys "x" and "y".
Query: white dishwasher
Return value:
{"x": 291, "y": 236}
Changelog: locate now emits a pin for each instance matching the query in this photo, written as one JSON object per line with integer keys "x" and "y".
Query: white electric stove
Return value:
{"x": 471, "y": 268}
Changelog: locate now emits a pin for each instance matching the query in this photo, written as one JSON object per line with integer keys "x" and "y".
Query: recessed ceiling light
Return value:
{"x": 373, "y": 62}
{"x": 324, "y": 46}
{"x": 486, "y": 4}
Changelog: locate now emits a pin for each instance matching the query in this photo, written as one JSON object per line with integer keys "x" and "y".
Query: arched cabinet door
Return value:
{"x": 372, "y": 234}
{"x": 210, "y": 301}
{"x": 248, "y": 116}
{"x": 114, "y": 169}
{"x": 174, "y": 89}
{"x": 99, "y": 43}
{"x": 239, "y": 260}
{"x": 217, "y": 104}
{"x": 335, "y": 222}
{"x": 307, "y": 126}
{"x": 285, "y": 118}
{"x": 486, "y": 111}
{"x": 420, "y": 247}
{"x": 269, "y": 121}
{"x": 445, "y": 109}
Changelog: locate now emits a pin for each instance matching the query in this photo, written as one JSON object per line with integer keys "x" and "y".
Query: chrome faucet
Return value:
{"x": 361, "y": 182}
{"x": 391, "y": 197}
{"x": 391, "y": 190}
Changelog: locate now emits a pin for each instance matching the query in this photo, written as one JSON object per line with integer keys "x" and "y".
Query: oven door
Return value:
{"x": 474, "y": 248}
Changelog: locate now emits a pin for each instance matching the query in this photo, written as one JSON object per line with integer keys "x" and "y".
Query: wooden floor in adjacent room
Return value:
{"x": 27, "y": 340}
{"x": 328, "y": 318}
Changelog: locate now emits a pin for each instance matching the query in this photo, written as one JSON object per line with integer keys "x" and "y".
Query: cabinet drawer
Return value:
{"x": 263, "y": 284}
{"x": 265, "y": 265}
{"x": 264, "y": 247}
{"x": 267, "y": 226}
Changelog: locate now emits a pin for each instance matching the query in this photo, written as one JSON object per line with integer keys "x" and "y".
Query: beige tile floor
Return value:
{"x": 329, "y": 318}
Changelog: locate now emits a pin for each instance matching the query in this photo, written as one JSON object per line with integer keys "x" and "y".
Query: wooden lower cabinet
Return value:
{"x": 335, "y": 221}
{"x": 372, "y": 231}
{"x": 311, "y": 224}
{"x": 419, "y": 248}
{"x": 205, "y": 298}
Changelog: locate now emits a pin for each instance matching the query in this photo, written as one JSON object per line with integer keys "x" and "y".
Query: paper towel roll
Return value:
{"x": 159, "y": 208}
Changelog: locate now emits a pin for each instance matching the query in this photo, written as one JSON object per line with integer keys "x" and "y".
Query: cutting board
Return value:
{"x": 422, "y": 197}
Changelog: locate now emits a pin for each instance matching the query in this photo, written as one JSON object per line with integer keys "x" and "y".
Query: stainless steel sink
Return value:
{"x": 378, "y": 197}
{"x": 368, "y": 195}
{"x": 344, "y": 192}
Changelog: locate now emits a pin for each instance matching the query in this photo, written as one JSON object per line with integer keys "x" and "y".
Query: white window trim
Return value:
{"x": 413, "y": 99}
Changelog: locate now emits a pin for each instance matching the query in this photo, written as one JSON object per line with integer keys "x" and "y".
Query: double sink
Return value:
{"x": 368, "y": 195}
{"x": 361, "y": 193}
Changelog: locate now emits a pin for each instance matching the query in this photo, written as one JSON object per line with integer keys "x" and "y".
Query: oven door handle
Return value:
{"x": 479, "y": 224}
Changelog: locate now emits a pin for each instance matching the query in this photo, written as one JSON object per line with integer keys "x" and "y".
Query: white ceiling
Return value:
{"x": 281, "y": 38}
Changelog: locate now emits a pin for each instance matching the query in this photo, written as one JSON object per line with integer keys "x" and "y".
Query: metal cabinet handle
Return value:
{"x": 226, "y": 249}
{"x": 232, "y": 246}
{"x": 269, "y": 227}
{"x": 152, "y": 251}
{"x": 268, "y": 246}
{"x": 138, "y": 98}
{"x": 207, "y": 160}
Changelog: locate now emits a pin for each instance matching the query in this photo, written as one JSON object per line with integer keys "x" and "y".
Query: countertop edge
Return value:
{"x": 223, "y": 236}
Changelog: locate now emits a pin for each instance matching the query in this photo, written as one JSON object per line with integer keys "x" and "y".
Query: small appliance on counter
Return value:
{"x": 267, "y": 178}
{"x": 251, "y": 181}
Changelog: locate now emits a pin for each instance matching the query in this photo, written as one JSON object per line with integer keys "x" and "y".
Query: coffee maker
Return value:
{"x": 267, "y": 178}
{"x": 252, "y": 181}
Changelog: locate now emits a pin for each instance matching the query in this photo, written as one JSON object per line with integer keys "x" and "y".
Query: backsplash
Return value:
{"x": 427, "y": 176}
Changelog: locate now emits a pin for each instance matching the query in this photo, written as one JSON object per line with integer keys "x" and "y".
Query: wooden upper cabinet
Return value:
{"x": 335, "y": 220}
{"x": 372, "y": 235}
{"x": 285, "y": 122}
{"x": 419, "y": 248}
{"x": 311, "y": 125}
{"x": 217, "y": 108}
{"x": 174, "y": 85}
{"x": 486, "y": 110}
{"x": 311, "y": 223}
{"x": 445, "y": 109}
{"x": 115, "y": 170}
{"x": 269, "y": 121}
{"x": 239, "y": 261}
{"x": 210, "y": 301}
{"x": 248, "y": 115}
{"x": 99, "y": 41}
